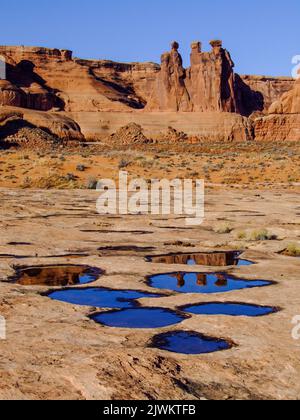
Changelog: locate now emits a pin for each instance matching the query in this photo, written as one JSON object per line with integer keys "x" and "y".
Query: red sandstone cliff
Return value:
{"x": 43, "y": 79}
{"x": 283, "y": 121}
{"x": 91, "y": 90}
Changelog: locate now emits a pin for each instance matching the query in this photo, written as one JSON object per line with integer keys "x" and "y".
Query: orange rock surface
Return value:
{"x": 94, "y": 92}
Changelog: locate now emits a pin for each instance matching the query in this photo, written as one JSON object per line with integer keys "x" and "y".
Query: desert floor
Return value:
{"x": 246, "y": 165}
{"x": 54, "y": 351}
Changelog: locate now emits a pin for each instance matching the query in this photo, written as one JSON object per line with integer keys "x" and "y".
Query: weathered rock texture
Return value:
{"x": 257, "y": 93}
{"x": 211, "y": 79}
{"x": 170, "y": 91}
{"x": 56, "y": 124}
{"x": 129, "y": 134}
{"x": 208, "y": 126}
{"x": 283, "y": 121}
{"x": 50, "y": 78}
{"x": 46, "y": 80}
{"x": 43, "y": 79}
{"x": 208, "y": 85}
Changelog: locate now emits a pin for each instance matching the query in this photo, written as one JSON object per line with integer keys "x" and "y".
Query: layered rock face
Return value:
{"x": 52, "y": 81}
{"x": 43, "y": 79}
{"x": 257, "y": 93}
{"x": 24, "y": 87}
{"x": 51, "y": 78}
{"x": 283, "y": 121}
{"x": 56, "y": 124}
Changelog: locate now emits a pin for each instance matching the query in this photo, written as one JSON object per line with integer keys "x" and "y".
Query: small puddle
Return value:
{"x": 101, "y": 297}
{"x": 190, "y": 343}
{"x": 210, "y": 259}
{"x": 126, "y": 248}
{"x": 58, "y": 275}
{"x": 228, "y": 308}
{"x": 202, "y": 282}
{"x": 143, "y": 318}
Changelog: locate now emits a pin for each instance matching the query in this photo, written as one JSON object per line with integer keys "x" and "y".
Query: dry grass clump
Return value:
{"x": 242, "y": 235}
{"x": 49, "y": 182}
{"x": 262, "y": 235}
{"x": 292, "y": 250}
{"x": 223, "y": 228}
{"x": 256, "y": 235}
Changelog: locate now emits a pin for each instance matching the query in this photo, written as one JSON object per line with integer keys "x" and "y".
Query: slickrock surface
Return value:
{"x": 54, "y": 351}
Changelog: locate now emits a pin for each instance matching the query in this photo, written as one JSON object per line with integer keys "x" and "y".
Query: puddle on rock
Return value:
{"x": 124, "y": 249}
{"x": 229, "y": 308}
{"x": 58, "y": 275}
{"x": 210, "y": 259}
{"x": 183, "y": 282}
{"x": 143, "y": 318}
{"x": 187, "y": 342}
{"x": 101, "y": 297}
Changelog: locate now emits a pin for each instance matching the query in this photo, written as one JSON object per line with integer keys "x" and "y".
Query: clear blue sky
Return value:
{"x": 262, "y": 36}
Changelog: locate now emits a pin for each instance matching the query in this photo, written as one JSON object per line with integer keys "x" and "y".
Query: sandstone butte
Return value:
{"x": 91, "y": 99}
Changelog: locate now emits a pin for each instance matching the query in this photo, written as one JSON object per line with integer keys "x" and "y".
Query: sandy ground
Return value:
{"x": 54, "y": 351}
{"x": 240, "y": 165}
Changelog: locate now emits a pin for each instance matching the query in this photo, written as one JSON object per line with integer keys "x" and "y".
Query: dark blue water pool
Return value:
{"x": 87, "y": 277}
{"x": 143, "y": 318}
{"x": 191, "y": 343}
{"x": 101, "y": 297}
{"x": 232, "y": 309}
{"x": 202, "y": 283}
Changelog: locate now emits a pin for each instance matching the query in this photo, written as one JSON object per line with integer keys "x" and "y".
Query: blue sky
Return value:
{"x": 262, "y": 36}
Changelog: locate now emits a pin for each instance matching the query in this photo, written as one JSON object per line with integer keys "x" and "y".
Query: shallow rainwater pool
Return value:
{"x": 143, "y": 318}
{"x": 101, "y": 297}
{"x": 228, "y": 308}
{"x": 212, "y": 259}
{"x": 183, "y": 282}
{"x": 56, "y": 275}
{"x": 188, "y": 342}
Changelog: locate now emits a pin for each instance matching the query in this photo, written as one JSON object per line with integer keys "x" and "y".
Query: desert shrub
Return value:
{"x": 70, "y": 177}
{"x": 27, "y": 182}
{"x": 91, "y": 183}
{"x": 292, "y": 250}
{"x": 262, "y": 235}
{"x": 124, "y": 163}
{"x": 223, "y": 228}
{"x": 241, "y": 235}
{"x": 80, "y": 168}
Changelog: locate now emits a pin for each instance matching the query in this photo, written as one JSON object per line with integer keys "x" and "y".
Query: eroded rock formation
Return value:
{"x": 210, "y": 79}
{"x": 129, "y": 134}
{"x": 170, "y": 91}
{"x": 257, "y": 93}
{"x": 208, "y": 85}
{"x": 45, "y": 79}
{"x": 56, "y": 124}
{"x": 90, "y": 91}
{"x": 283, "y": 121}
